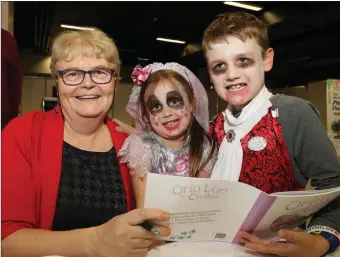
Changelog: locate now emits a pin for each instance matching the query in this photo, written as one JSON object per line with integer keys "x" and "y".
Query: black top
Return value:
{"x": 91, "y": 190}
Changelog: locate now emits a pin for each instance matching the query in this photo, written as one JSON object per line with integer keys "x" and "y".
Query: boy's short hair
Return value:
{"x": 241, "y": 25}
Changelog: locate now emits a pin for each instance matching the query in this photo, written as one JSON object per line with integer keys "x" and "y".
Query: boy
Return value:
{"x": 273, "y": 142}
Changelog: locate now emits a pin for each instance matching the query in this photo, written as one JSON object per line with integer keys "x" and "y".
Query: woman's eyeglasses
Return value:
{"x": 74, "y": 77}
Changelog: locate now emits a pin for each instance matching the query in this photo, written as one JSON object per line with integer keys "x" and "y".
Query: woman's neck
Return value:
{"x": 89, "y": 134}
{"x": 83, "y": 127}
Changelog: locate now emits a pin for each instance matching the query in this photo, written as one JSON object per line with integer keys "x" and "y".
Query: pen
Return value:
{"x": 146, "y": 225}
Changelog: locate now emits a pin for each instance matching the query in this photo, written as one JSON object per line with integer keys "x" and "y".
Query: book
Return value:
{"x": 216, "y": 210}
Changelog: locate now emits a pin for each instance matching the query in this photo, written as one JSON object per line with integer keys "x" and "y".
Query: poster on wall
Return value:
{"x": 333, "y": 112}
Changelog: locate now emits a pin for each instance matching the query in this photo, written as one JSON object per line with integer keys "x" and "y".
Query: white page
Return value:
{"x": 200, "y": 215}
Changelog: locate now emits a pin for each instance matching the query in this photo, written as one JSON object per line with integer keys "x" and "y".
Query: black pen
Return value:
{"x": 146, "y": 225}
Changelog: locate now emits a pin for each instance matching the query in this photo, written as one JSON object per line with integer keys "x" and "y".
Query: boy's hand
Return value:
{"x": 298, "y": 244}
{"x": 122, "y": 127}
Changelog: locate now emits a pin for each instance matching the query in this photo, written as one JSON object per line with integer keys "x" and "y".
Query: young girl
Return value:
{"x": 170, "y": 107}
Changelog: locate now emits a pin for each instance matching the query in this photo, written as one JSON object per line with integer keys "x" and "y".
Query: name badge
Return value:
{"x": 257, "y": 144}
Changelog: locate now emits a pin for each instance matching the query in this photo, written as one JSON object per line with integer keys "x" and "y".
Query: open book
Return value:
{"x": 206, "y": 209}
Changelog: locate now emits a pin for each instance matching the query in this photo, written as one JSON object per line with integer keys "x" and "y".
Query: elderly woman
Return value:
{"x": 64, "y": 191}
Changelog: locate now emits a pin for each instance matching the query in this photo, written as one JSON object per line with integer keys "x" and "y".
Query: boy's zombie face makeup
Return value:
{"x": 169, "y": 111}
{"x": 237, "y": 69}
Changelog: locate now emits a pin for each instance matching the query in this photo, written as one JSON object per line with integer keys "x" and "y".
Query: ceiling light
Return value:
{"x": 170, "y": 40}
{"x": 245, "y": 6}
{"x": 76, "y": 27}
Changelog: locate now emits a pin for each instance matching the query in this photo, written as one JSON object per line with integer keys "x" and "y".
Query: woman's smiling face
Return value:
{"x": 88, "y": 99}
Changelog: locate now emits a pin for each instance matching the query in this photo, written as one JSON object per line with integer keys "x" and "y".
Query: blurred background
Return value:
{"x": 304, "y": 35}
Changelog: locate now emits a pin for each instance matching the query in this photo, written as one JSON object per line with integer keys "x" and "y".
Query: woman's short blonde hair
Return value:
{"x": 88, "y": 43}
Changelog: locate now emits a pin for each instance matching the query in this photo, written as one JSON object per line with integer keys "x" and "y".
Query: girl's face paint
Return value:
{"x": 169, "y": 111}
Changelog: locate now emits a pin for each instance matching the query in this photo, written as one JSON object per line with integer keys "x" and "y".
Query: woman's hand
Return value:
{"x": 122, "y": 127}
{"x": 298, "y": 244}
{"x": 123, "y": 237}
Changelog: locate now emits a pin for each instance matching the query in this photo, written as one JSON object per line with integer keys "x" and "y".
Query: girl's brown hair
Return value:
{"x": 195, "y": 130}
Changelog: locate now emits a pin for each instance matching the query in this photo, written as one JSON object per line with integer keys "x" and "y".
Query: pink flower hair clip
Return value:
{"x": 140, "y": 75}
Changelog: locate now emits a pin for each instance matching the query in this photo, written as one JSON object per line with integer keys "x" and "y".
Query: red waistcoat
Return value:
{"x": 270, "y": 169}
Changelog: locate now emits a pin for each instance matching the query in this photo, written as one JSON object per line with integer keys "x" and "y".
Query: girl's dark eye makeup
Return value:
{"x": 173, "y": 99}
{"x": 154, "y": 105}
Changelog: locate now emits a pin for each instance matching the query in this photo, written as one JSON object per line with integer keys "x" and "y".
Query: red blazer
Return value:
{"x": 31, "y": 166}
